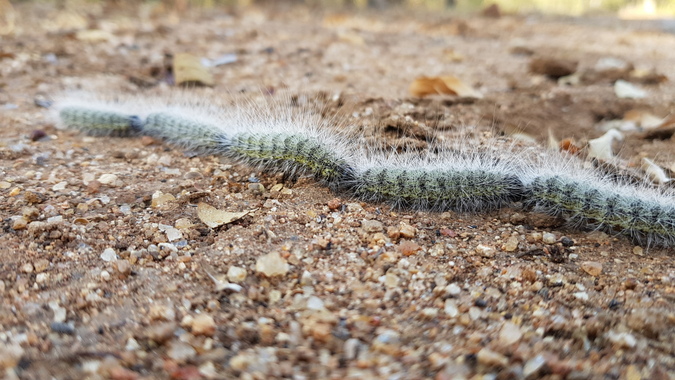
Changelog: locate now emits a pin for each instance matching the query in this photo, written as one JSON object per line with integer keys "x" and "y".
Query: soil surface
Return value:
{"x": 107, "y": 271}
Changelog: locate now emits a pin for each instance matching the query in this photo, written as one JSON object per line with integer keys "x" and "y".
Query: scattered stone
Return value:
{"x": 451, "y": 308}
{"x": 490, "y": 358}
{"x": 407, "y": 231}
{"x": 637, "y": 250}
{"x": 105, "y": 275}
{"x": 621, "y": 339}
{"x": 19, "y": 223}
{"x": 123, "y": 267}
{"x": 41, "y": 265}
{"x": 453, "y": 290}
{"x": 173, "y": 234}
{"x": 60, "y": 186}
{"x": 333, "y": 204}
{"x": 509, "y": 334}
{"x": 236, "y": 274}
{"x": 203, "y": 324}
{"x": 271, "y": 265}
{"x": 109, "y": 255}
{"x": 161, "y": 332}
{"x": 181, "y": 352}
{"x": 408, "y": 248}
{"x": 485, "y": 251}
{"x": 62, "y": 328}
{"x": 27, "y": 268}
{"x": 391, "y": 280}
{"x": 533, "y": 365}
{"x": 592, "y": 267}
{"x": 428, "y": 313}
{"x": 372, "y": 226}
{"x": 110, "y": 180}
{"x": 315, "y": 303}
{"x": 162, "y": 312}
{"x": 511, "y": 244}
{"x": 160, "y": 199}
{"x": 549, "y": 238}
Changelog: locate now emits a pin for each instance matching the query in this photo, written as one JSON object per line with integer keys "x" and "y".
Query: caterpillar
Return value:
{"x": 466, "y": 179}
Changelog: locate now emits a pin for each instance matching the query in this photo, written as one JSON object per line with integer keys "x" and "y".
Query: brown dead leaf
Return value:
{"x": 663, "y": 131}
{"x": 569, "y": 146}
{"x": 189, "y": 70}
{"x": 643, "y": 118}
{"x": 445, "y": 85}
{"x": 213, "y": 217}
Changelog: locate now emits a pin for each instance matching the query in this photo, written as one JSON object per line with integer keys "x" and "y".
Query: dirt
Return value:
{"x": 92, "y": 286}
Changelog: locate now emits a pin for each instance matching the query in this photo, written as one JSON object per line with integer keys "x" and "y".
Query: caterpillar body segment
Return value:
{"x": 96, "y": 122}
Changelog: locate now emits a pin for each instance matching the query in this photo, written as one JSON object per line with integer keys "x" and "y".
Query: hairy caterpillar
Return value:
{"x": 466, "y": 179}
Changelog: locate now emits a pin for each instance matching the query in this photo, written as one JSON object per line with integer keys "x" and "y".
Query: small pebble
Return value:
{"x": 271, "y": 265}
{"x": 621, "y": 339}
{"x": 60, "y": 186}
{"x": 27, "y": 268}
{"x": 372, "y": 226}
{"x": 110, "y": 180}
{"x": 123, "y": 267}
{"x": 409, "y": 248}
{"x": 236, "y": 274}
{"x": 533, "y": 365}
{"x": 62, "y": 328}
{"x": 549, "y": 238}
{"x": 315, "y": 303}
{"x": 591, "y": 267}
{"x": 105, "y": 275}
{"x": 490, "y": 358}
{"x": 509, "y": 334}
{"x": 453, "y": 290}
{"x": 203, "y": 324}
{"x": 19, "y": 223}
{"x": 511, "y": 244}
{"x": 181, "y": 352}
{"x": 407, "y": 231}
{"x": 391, "y": 280}
{"x": 161, "y": 332}
{"x": 485, "y": 251}
{"x": 173, "y": 234}
{"x": 451, "y": 308}
{"x": 109, "y": 255}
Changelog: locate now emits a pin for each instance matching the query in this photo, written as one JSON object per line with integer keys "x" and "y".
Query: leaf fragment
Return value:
{"x": 213, "y": 217}
{"x": 444, "y": 85}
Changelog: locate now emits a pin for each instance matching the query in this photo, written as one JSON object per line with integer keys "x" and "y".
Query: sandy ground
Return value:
{"x": 106, "y": 271}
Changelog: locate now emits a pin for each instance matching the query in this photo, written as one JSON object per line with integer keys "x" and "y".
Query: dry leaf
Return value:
{"x": 601, "y": 148}
{"x": 568, "y": 145}
{"x": 189, "y": 70}
{"x": 213, "y": 217}
{"x": 445, "y": 85}
{"x": 654, "y": 171}
{"x": 642, "y": 118}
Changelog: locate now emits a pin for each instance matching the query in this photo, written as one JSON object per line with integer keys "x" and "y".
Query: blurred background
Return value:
{"x": 622, "y": 8}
